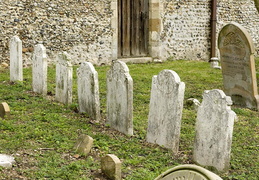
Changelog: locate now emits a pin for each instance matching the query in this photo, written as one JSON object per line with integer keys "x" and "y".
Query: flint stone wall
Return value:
{"x": 186, "y": 25}
{"x": 84, "y": 28}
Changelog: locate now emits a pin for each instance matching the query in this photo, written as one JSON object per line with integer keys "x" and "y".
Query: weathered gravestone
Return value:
{"x": 188, "y": 172}
{"x": 111, "y": 166}
{"x": 214, "y": 128}
{"x": 238, "y": 66}
{"x": 39, "y": 70}
{"x": 16, "y": 71}
{"x": 64, "y": 74}
{"x": 120, "y": 98}
{"x": 4, "y": 110}
{"x": 84, "y": 144}
{"x": 88, "y": 90}
{"x": 165, "y": 113}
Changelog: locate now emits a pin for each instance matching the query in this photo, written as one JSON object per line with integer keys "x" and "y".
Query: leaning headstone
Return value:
{"x": 238, "y": 65}
{"x": 120, "y": 98}
{"x": 16, "y": 67}
{"x": 165, "y": 112}
{"x": 64, "y": 75}
{"x": 214, "y": 128}
{"x": 188, "y": 172}
{"x": 39, "y": 70}
{"x": 111, "y": 166}
{"x": 6, "y": 161}
{"x": 88, "y": 90}
{"x": 84, "y": 144}
{"x": 4, "y": 110}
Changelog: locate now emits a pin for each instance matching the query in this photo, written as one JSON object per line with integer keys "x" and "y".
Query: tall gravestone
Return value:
{"x": 120, "y": 98}
{"x": 165, "y": 113}
{"x": 214, "y": 129}
{"x": 88, "y": 90}
{"x": 64, "y": 76}
{"x": 39, "y": 70}
{"x": 238, "y": 66}
{"x": 16, "y": 67}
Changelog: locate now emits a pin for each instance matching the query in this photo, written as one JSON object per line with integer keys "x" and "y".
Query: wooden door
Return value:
{"x": 133, "y": 28}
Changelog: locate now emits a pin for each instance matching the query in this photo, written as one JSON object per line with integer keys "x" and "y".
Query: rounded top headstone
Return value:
{"x": 184, "y": 172}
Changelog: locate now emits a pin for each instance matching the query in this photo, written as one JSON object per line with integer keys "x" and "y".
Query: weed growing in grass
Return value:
{"x": 41, "y": 132}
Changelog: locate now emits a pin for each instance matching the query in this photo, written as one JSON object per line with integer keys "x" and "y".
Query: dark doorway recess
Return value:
{"x": 133, "y": 28}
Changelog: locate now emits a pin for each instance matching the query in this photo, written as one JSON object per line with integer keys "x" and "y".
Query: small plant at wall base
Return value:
{"x": 41, "y": 133}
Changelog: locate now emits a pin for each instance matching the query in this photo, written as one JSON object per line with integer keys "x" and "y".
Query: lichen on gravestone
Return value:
{"x": 84, "y": 144}
{"x": 165, "y": 114}
{"x": 4, "y": 110}
{"x": 120, "y": 98}
{"x": 111, "y": 166}
{"x": 214, "y": 130}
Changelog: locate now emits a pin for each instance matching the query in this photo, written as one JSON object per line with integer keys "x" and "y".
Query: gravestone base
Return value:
{"x": 244, "y": 102}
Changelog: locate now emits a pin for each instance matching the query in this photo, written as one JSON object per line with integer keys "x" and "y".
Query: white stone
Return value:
{"x": 6, "y": 161}
{"x": 39, "y": 70}
{"x": 188, "y": 172}
{"x": 64, "y": 76}
{"x": 165, "y": 113}
{"x": 16, "y": 67}
{"x": 88, "y": 90}
{"x": 120, "y": 98}
{"x": 214, "y": 128}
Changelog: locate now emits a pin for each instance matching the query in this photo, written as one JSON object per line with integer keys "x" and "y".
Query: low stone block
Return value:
{"x": 111, "y": 166}
{"x": 6, "y": 161}
{"x": 4, "y": 110}
{"x": 84, "y": 144}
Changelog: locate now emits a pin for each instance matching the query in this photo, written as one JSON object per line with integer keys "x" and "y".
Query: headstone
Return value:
{"x": 84, "y": 144}
{"x": 111, "y": 166}
{"x": 120, "y": 98}
{"x": 64, "y": 75}
{"x": 88, "y": 90}
{"x": 39, "y": 70}
{"x": 6, "y": 161}
{"x": 188, "y": 172}
{"x": 238, "y": 66}
{"x": 165, "y": 113}
{"x": 16, "y": 64}
{"x": 214, "y": 128}
{"x": 4, "y": 110}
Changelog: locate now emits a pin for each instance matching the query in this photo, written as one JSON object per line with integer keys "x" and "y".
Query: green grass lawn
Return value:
{"x": 40, "y": 133}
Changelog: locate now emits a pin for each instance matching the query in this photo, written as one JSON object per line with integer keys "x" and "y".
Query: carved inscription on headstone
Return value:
{"x": 238, "y": 66}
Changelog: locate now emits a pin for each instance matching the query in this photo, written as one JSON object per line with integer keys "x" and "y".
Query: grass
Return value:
{"x": 41, "y": 132}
